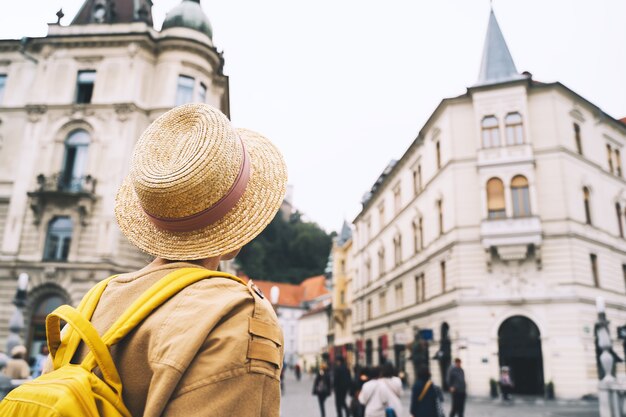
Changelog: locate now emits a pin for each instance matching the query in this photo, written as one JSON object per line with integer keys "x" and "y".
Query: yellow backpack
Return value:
{"x": 73, "y": 390}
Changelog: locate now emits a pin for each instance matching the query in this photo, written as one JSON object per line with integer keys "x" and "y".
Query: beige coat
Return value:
{"x": 215, "y": 349}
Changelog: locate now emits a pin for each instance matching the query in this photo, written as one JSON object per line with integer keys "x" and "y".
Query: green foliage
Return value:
{"x": 286, "y": 251}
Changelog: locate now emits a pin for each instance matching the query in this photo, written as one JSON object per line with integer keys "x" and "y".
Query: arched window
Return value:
{"x": 495, "y": 199}
{"x": 58, "y": 239}
{"x": 520, "y": 196}
{"x": 514, "y": 129}
{"x": 76, "y": 146}
{"x": 491, "y": 132}
{"x": 397, "y": 249}
{"x": 587, "y": 204}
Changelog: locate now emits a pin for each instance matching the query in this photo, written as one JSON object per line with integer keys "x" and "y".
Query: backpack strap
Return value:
{"x": 71, "y": 339}
{"x": 87, "y": 333}
{"x": 157, "y": 294}
{"x": 425, "y": 390}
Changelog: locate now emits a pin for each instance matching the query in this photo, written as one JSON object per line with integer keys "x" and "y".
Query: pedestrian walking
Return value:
{"x": 321, "y": 387}
{"x": 456, "y": 382}
{"x": 197, "y": 191}
{"x": 426, "y": 397}
{"x": 342, "y": 383}
{"x": 381, "y": 396}
{"x": 17, "y": 367}
{"x": 506, "y": 383}
{"x": 361, "y": 376}
{"x": 298, "y": 371}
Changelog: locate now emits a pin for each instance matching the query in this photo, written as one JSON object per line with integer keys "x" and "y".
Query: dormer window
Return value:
{"x": 490, "y": 132}
{"x": 84, "y": 86}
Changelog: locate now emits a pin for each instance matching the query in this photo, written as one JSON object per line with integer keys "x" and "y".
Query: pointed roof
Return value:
{"x": 497, "y": 64}
{"x": 345, "y": 234}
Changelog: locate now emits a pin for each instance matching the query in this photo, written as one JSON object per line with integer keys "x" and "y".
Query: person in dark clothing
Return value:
{"x": 342, "y": 383}
{"x": 361, "y": 376}
{"x": 321, "y": 387}
{"x": 456, "y": 382}
{"x": 426, "y": 397}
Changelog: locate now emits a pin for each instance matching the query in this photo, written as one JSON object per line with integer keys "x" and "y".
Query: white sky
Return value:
{"x": 343, "y": 86}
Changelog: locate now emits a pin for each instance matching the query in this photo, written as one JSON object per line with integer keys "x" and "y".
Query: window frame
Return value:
{"x": 83, "y": 96}
{"x": 63, "y": 237}
{"x": 520, "y": 198}
{"x": 3, "y": 86}
{"x": 495, "y": 213}
{"x": 490, "y": 134}
{"x": 514, "y": 131}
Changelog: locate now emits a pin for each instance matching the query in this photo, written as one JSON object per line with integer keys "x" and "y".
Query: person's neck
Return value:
{"x": 208, "y": 263}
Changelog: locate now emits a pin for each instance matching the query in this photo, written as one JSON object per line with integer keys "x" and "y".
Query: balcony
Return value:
{"x": 511, "y": 237}
{"x": 505, "y": 155}
{"x": 62, "y": 190}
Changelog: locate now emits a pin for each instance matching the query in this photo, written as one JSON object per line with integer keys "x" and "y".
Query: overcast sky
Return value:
{"x": 343, "y": 86}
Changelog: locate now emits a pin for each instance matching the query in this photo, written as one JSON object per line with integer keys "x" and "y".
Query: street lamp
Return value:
{"x": 16, "y": 324}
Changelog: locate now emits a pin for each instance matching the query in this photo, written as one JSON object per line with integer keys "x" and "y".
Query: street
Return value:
{"x": 297, "y": 401}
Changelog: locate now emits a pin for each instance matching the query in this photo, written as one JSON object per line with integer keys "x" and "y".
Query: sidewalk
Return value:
{"x": 297, "y": 401}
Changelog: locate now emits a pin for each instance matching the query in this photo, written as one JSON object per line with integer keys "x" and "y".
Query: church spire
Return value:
{"x": 497, "y": 64}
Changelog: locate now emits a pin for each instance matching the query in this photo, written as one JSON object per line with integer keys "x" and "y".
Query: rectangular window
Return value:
{"x": 381, "y": 262}
{"x": 3, "y": 82}
{"x": 397, "y": 250}
{"x": 438, "y": 150}
{"x": 397, "y": 199}
{"x": 594, "y": 269}
{"x": 420, "y": 287}
{"x": 618, "y": 211}
{"x": 369, "y": 309}
{"x": 84, "y": 86}
{"x": 440, "y": 213}
{"x": 368, "y": 272}
{"x": 416, "y": 237}
{"x": 609, "y": 155}
{"x": 382, "y": 302}
{"x": 443, "y": 276}
{"x": 618, "y": 161}
{"x": 579, "y": 145}
{"x": 202, "y": 93}
{"x": 184, "y": 90}
{"x": 342, "y": 297}
{"x": 417, "y": 179}
{"x": 399, "y": 296}
{"x": 624, "y": 274}
{"x": 420, "y": 224}
{"x": 381, "y": 215}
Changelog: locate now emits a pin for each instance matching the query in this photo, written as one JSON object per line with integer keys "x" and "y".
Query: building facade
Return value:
{"x": 340, "y": 335}
{"x": 493, "y": 235}
{"x": 72, "y": 105}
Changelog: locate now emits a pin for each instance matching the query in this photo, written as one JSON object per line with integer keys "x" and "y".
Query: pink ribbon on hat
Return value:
{"x": 213, "y": 213}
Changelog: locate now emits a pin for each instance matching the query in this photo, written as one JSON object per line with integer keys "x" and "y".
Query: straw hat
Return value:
{"x": 197, "y": 187}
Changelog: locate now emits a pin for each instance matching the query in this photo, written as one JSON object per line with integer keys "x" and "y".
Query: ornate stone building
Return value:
{"x": 494, "y": 233}
{"x": 72, "y": 105}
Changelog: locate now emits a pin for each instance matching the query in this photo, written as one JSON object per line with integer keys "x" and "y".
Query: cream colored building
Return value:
{"x": 72, "y": 105}
{"x": 500, "y": 225}
{"x": 340, "y": 335}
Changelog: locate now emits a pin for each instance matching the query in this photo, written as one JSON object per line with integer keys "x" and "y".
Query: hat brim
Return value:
{"x": 253, "y": 212}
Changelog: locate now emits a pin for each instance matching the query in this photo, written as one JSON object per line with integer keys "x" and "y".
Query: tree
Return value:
{"x": 286, "y": 251}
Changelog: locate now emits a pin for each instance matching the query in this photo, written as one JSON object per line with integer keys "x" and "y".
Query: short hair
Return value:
{"x": 423, "y": 374}
{"x": 387, "y": 370}
{"x": 457, "y": 360}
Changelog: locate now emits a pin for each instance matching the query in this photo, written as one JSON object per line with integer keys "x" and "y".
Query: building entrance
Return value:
{"x": 519, "y": 346}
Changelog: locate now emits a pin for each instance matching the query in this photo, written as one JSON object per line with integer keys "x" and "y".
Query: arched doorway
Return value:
{"x": 43, "y": 306}
{"x": 519, "y": 347}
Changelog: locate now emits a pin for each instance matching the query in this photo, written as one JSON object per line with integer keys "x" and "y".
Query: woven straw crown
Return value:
{"x": 191, "y": 160}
